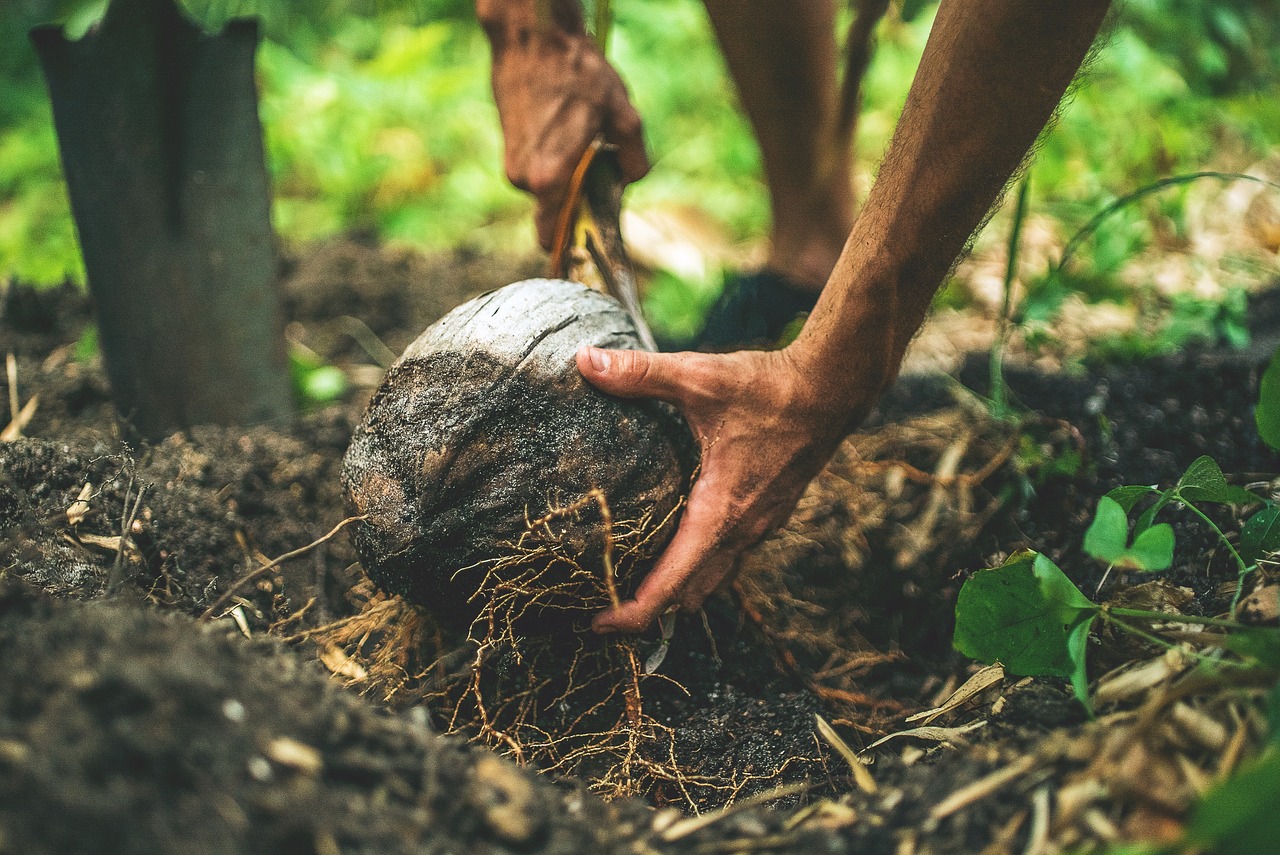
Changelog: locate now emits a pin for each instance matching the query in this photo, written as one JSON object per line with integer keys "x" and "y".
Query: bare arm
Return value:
{"x": 991, "y": 76}
{"x": 555, "y": 93}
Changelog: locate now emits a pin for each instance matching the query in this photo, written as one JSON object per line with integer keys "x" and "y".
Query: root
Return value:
{"x": 525, "y": 680}
{"x": 892, "y": 508}
{"x": 266, "y": 568}
{"x": 530, "y": 680}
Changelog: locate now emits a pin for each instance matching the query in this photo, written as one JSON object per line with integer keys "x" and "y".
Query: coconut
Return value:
{"x": 487, "y": 470}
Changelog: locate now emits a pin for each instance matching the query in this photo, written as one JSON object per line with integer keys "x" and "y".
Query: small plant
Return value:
{"x": 314, "y": 381}
{"x": 1202, "y": 483}
{"x": 1267, "y": 416}
{"x": 1028, "y": 615}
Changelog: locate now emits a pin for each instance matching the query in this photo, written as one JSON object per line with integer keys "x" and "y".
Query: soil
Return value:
{"x": 132, "y": 721}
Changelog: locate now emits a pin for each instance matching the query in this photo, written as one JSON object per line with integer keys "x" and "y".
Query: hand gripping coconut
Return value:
{"x": 496, "y": 485}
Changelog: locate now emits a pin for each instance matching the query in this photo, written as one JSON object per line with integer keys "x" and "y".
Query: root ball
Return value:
{"x": 480, "y": 452}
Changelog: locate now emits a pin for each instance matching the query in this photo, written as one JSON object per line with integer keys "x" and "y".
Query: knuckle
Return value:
{"x": 639, "y": 365}
{"x": 627, "y": 124}
{"x": 635, "y": 366}
{"x": 518, "y": 181}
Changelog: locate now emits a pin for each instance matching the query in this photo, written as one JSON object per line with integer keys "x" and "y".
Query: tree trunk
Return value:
{"x": 161, "y": 145}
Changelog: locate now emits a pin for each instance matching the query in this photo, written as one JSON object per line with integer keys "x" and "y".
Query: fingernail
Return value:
{"x": 599, "y": 359}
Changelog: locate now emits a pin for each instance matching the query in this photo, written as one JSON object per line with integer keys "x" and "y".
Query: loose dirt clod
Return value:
{"x": 479, "y": 455}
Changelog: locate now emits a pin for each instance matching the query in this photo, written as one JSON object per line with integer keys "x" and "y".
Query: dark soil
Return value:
{"x": 128, "y": 726}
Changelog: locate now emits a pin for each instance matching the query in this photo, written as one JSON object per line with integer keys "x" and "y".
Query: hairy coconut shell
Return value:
{"x": 485, "y": 423}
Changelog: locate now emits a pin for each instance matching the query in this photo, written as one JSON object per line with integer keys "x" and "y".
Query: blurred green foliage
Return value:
{"x": 378, "y": 117}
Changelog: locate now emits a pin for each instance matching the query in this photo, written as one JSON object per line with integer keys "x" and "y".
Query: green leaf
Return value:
{"x": 1260, "y": 535}
{"x": 1239, "y": 815}
{"x": 1044, "y": 298}
{"x": 1029, "y": 616}
{"x": 1108, "y": 534}
{"x": 1267, "y": 416}
{"x": 1259, "y": 643}
{"x": 1126, "y": 497}
{"x": 1149, "y": 515}
{"x": 86, "y": 347}
{"x": 1203, "y": 482}
{"x": 1077, "y": 640}
{"x": 324, "y": 384}
{"x": 1152, "y": 550}
{"x": 1107, "y": 539}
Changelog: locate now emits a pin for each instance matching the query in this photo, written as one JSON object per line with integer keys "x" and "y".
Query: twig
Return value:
{"x": 19, "y": 417}
{"x": 1038, "y": 836}
{"x": 126, "y": 529}
{"x": 683, "y": 828}
{"x": 271, "y": 565}
{"x": 983, "y": 787}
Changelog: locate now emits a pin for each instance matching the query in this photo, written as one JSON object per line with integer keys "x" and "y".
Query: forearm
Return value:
{"x": 991, "y": 77}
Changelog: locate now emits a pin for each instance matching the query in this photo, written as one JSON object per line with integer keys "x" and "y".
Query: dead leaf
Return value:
{"x": 861, "y": 776}
{"x": 975, "y": 685}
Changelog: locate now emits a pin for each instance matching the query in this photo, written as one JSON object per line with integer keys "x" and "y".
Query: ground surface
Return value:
{"x": 127, "y": 724}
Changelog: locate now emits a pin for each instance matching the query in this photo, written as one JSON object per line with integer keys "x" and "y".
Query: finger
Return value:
{"x": 633, "y": 373}
{"x": 546, "y": 216}
{"x": 549, "y": 170}
{"x": 625, "y": 129}
{"x": 693, "y": 553}
{"x": 717, "y": 571}
{"x": 547, "y": 178}
{"x": 664, "y": 589}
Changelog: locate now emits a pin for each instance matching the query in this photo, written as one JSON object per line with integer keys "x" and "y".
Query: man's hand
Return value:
{"x": 555, "y": 93}
{"x": 766, "y": 428}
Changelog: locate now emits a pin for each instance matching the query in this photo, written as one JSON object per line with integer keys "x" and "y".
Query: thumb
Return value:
{"x": 631, "y": 373}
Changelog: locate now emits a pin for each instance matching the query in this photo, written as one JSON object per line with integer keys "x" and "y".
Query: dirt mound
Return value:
{"x": 144, "y": 721}
{"x": 123, "y": 731}
{"x": 394, "y": 293}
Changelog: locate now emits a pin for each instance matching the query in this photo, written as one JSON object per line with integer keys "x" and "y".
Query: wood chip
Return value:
{"x": 1038, "y": 836}
{"x": 338, "y": 662}
{"x": 107, "y": 543}
{"x": 685, "y": 827}
{"x": 1132, "y": 681}
{"x": 983, "y": 787}
{"x": 11, "y": 371}
{"x": 824, "y": 814}
{"x": 1198, "y": 726}
{"x": 110, "y": 543}
{"x": 1231, "y": 756}
{"x": 237, "y": 615}
{"x": 14, "y": 429}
